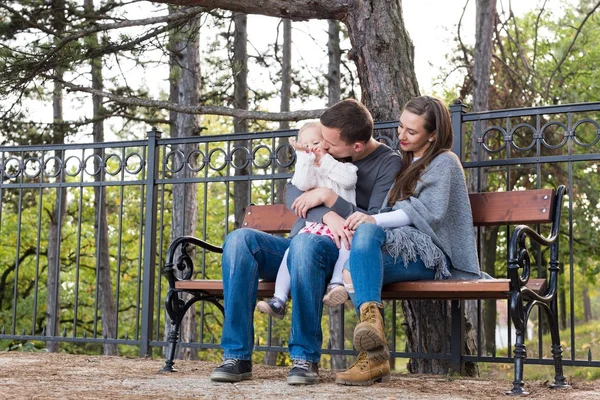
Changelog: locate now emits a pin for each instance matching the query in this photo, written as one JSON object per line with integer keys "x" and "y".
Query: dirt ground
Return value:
{"x": 65, "y": 376}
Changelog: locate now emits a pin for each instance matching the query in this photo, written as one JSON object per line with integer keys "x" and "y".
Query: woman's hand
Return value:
{"x": 353, "y": 221}
{"x": 341, "y": 235}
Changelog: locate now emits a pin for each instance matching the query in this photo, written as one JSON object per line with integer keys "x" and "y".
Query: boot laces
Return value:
{"x": 370, "y": 313}
{"x": 361, "y": 361}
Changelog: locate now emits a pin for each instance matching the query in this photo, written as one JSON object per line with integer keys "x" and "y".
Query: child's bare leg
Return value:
{"x": 275, "y": 306}
{"x": 348, "y": 281}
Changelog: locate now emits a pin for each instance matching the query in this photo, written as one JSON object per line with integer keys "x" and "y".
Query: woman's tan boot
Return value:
{"x": 364, "y": 372}
{"x": 369, "y": 335}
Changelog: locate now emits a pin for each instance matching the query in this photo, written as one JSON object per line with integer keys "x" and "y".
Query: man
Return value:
{"x": 250, "y": 255}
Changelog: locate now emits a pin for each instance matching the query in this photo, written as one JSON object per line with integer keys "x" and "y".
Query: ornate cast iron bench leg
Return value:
{"x": 176, "y": 309}
{"x": 560, "y": 382}
{"x": 517, "y": 314}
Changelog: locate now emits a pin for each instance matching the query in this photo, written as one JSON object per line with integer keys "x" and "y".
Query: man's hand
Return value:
{"x": 341, "y": 235}
{"x": 309, "y": 199}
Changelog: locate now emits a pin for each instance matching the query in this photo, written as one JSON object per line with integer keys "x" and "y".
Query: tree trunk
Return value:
{"x": 334, "y": 91}
{"x": 270, "y": 357}
{"x": 384, "y": 57}
{"x": 587, "y": 305}
{"x": 286, "y": 93}
{"x": 241, "y": 189}
{"x": 59, "y": 210}
{"x": 185, "y": 90}
{"x": 482, "y": 63}
{"x": 585, "y": 294}
{"x": 563, "y": 310}
{"x": 336, "y": 314}
{"x": 105, "y": 293}
{"x": 420, "y": 318}
{"x": 54, "y": 240}
{"x": 489, "y": 307}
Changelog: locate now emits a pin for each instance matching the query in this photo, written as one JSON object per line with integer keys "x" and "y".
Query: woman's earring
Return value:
{"x": 431, "y": 139}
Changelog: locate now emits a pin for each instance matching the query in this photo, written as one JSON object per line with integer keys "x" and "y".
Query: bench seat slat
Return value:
{"x": 454, "y": 290}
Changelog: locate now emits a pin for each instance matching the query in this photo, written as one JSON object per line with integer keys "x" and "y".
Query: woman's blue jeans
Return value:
{"x": 371, "y": 266}
{"x": 250, "y": 255}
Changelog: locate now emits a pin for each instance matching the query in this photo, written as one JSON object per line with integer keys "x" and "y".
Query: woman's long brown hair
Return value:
{"x": 436, "y": 118}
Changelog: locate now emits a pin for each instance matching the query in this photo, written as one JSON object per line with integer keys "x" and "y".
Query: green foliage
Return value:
{"x": 26, "y": 347}
{"x": 536, "y": 57}
{"x": 586, "y": 342}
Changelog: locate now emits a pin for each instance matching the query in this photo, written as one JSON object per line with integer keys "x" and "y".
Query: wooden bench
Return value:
{"x": 521, "y": 208}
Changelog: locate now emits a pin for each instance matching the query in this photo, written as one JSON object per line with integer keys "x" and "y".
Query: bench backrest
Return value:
{"x": 490, "y": 208}
{"x": 519, "y": 207}
{"x": 270, "y": 218}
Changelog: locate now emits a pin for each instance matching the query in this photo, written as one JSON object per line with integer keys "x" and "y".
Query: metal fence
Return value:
{"x": 49, "y": 197}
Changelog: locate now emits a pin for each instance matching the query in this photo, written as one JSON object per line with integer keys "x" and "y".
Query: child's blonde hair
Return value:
{"x": 309, "y": 125}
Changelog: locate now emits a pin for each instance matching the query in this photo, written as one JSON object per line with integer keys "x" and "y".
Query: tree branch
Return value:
{"x": 295, "y": 10}
{"x": 568, "y": 52}
{"x": 460, "y": 42}
{"x": 206, "y": 110}
{"x": 46, "y": 61}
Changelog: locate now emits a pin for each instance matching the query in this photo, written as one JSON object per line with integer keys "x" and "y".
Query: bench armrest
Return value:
{"x": 519, "y": 261}
{"x": 184, "y": 261}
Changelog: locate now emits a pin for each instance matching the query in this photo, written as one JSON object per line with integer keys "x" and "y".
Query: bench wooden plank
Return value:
{"x": 450, "y": 289}
{"x": 492, "y": 208}
{"x": 270, "y": 218}
{"x": 517, "y": 207}
{"x": 455, "y": 289}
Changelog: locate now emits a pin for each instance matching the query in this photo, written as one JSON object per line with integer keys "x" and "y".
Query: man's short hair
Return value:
{"x": 353, "y": 120}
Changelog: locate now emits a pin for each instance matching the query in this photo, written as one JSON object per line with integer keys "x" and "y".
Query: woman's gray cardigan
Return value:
{"x": 441, "y": 217}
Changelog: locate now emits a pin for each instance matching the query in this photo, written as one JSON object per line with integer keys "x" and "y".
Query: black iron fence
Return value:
{"x": 72, "y": 275}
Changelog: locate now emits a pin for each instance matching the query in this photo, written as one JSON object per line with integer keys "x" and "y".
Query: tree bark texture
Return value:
{"x": 286, "y": 94}
{"x": 59, "y": 211}
{"x": 489, "y": 307}
{"x": 421, "y": 317}
{"x": 241, "y": 189}
{"x": 185, "y": 90}
{"x": 336, "y": 314}
{"x": 334, "y": 54}
{"x": 587, "y": 305}
{"x": 485, "y": 20}
{"x": 105, "y": 292}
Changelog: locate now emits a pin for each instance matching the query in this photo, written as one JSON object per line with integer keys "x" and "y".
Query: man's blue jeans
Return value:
{"x": 250, "y": 255}
{"x": 371, "y": 267}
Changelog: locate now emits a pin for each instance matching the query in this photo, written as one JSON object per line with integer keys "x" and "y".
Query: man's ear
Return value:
{"x": 358, "y": 147}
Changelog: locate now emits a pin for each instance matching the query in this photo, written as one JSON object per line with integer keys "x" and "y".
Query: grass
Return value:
{"x": 586, "y": 342}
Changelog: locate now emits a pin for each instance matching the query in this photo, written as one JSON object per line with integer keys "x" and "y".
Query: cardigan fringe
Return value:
{"x": 409, "y": 243}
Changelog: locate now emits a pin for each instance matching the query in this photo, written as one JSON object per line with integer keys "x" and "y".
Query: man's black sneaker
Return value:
{"x": 303, "y": 373}
{"x": 232, "y": 370}
{"x": 274, "y": 307}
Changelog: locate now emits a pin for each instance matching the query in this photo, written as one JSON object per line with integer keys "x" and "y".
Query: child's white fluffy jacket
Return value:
{"x": 336, "y": 175}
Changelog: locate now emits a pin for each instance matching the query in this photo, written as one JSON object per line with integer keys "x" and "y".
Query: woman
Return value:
{"x": 424, "y": 231}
